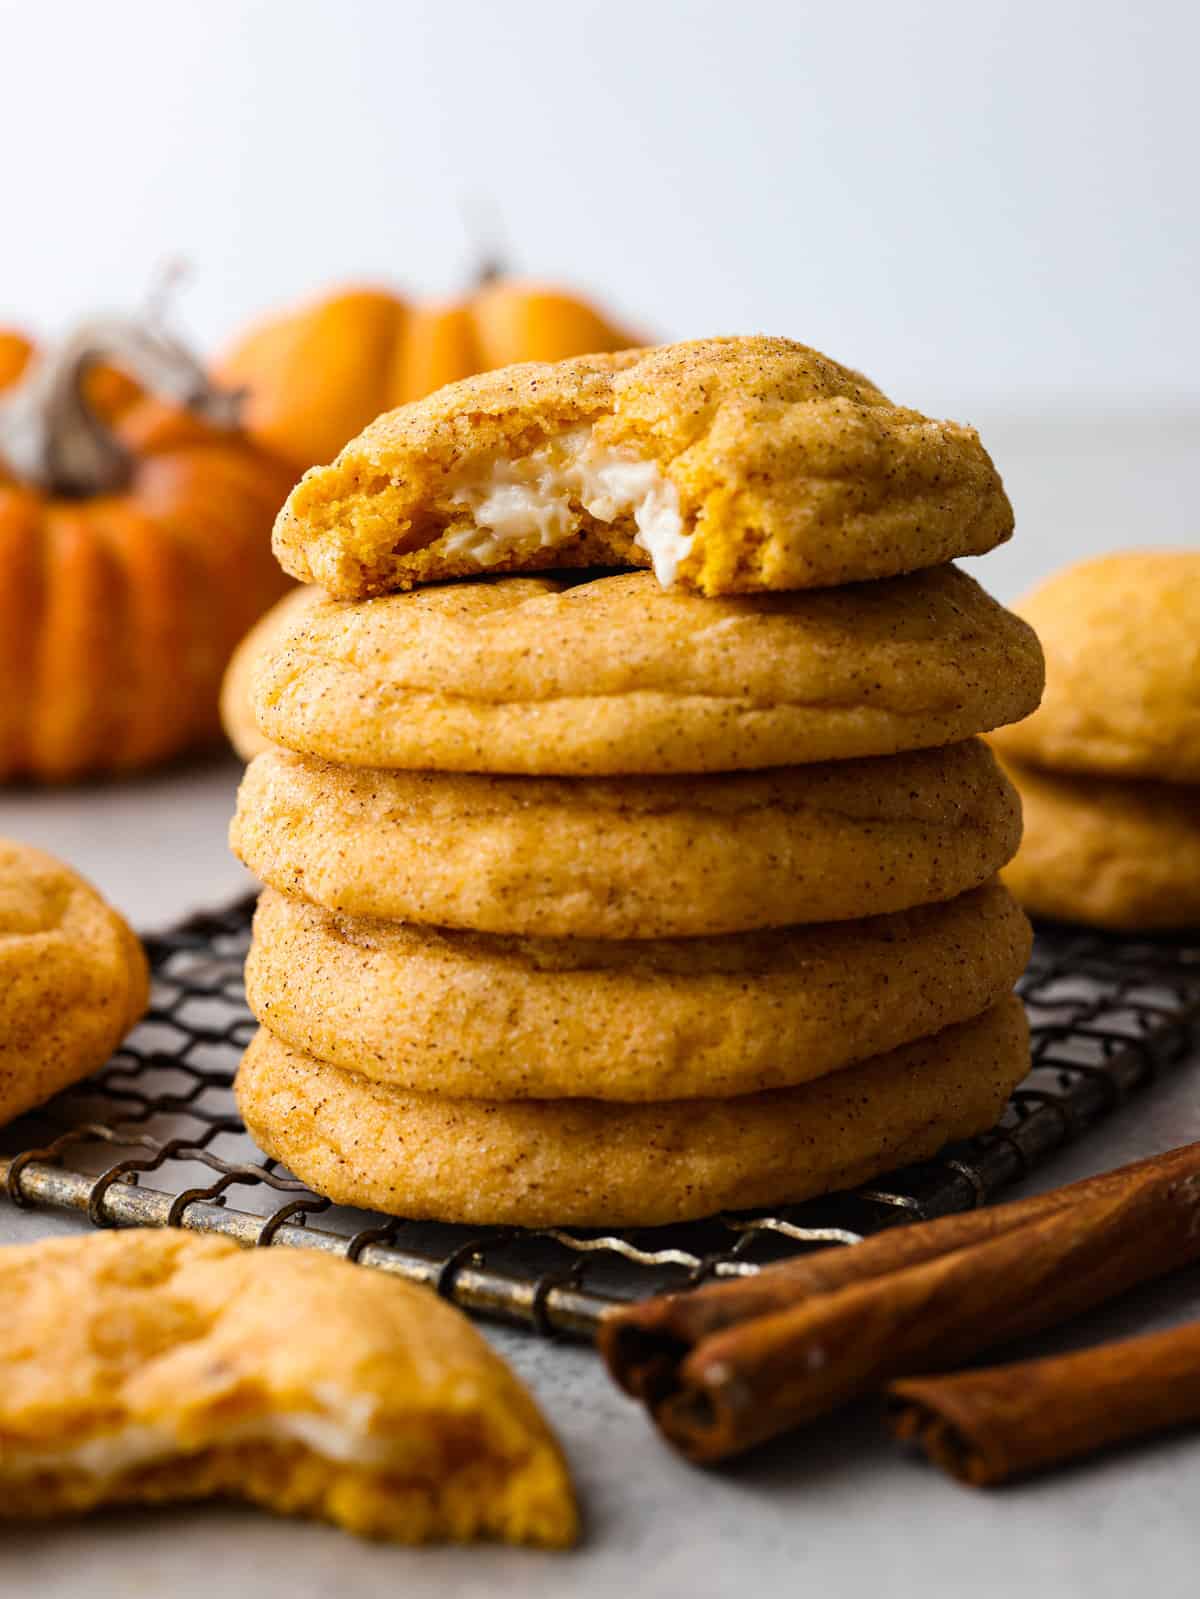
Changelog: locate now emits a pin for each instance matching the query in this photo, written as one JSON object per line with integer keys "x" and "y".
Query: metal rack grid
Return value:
{"x": 155, "y": 1139}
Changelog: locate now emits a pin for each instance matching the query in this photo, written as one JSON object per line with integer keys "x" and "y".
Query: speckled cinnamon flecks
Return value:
{"x": 791, "y": 471}
{"x": 587, "y": 1162}
{"x": 667, "y": 857}
{"x": 475, "y": 1015}
{"x": 530, "y": 675}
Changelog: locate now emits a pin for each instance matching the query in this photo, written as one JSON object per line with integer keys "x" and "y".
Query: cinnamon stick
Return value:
{"x": 988, "y": 1426}
{"x": 644, "y": 1344}
{"x": 729, "y": 1365}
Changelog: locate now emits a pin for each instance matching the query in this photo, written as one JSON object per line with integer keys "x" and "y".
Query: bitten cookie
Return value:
{"x": 666, "y": 857}
{"x": 591, "y": 1163}
{"x": 73, "y": 978}
{"x": 1122, "y": 642}
{"x": 729, "y": 465}
{"x": 1121, "y": 855}
{"x": 478, "y": 1016}
{"x": 616, "y": 676}
{"x": 148, "y": 1366}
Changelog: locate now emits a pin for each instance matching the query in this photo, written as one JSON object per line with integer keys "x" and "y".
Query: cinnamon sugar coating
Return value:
{"x": 1122, "y": 642}
{"x": 592, "y": 1163}
{"x": 787, "y": 470}
{"x": 629, "y": 858}
{"x": 472, "y": 1015}
{"x": 616, "y": 675}
{"x": 73, "y": 978}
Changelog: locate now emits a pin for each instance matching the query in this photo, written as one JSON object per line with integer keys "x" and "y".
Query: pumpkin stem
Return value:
{"x": 489, "y": 270}
{"x": 485, "y": 237}
{"x": 49, "y": 434}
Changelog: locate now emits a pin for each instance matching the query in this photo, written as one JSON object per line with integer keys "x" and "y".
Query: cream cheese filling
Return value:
{"x": 520, "y": 506}
{"x": 139, "y": 1444}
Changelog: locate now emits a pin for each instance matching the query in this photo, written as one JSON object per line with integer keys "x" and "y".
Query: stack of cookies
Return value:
{"x": 1109, "y": 766}
{"x": 623, "y": 899}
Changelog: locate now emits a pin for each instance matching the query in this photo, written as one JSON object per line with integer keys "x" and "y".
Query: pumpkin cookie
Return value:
{"x": 1122, "y": 855}
{"x": 666, "y": 857}
{"x": 73, "y": 978}
{"x": 1122, "y": 641}
{"x": 615, "y": 676}
{"x": 471, "y": 1014}
{"x": 729, "y": 465}
{"x": 237, "y": 711}
{"x": 145, "y": 1366}
{"x": 591, "y": 1163}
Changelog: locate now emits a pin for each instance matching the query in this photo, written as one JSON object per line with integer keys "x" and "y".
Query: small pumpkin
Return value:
{"x": 317, "y": 374}
{"x": 134, "y": 550}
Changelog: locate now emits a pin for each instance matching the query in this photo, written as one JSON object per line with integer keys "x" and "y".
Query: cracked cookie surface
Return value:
{"x": 1114, "y": 853}
{"x": 593, "y": 1163}
{"x": 73, "y": 978}
{"x": 731, "y": 465}
{"x": 618, "y": 676}
{"x": 472, "y": 1015}
{"x": 154, "y": 1365}
{"x": 1122, "y": 642}
{"x": 629, "y": 858}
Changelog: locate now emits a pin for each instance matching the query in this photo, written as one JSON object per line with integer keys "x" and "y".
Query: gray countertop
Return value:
{"x": 838, "y": 1511}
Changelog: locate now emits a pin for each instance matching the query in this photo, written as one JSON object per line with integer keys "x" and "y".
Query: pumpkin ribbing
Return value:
{"x": 134, "y": 551}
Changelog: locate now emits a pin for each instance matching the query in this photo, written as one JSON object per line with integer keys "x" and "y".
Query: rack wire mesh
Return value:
{"x": 155, "y": 1139}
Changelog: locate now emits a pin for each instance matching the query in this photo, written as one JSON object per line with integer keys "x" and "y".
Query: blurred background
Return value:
{"x": 990, "y": 209}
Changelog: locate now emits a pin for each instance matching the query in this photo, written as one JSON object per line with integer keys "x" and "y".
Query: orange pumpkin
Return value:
{"x": 134, "y": 551}
{"x": 317, "y": 374}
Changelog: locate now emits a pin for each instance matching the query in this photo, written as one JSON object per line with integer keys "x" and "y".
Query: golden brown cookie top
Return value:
{"x": 124, "y": 1349}
{"x": 468, "y": 1015}
{"x": 628, "y": 858}
{"x": 73, "y": 978}
{"x": 1122, "y": 642}
{"x": 588, "y": 1163}
{"x": 40, "y": 896}
{"x": 47, "y": 909}
{"x": 1119, "y": 853}
{"x": 529, "y": 674}
{"x": 731, "y": 465}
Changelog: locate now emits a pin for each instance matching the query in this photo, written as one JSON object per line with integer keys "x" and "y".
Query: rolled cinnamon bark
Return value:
{"x": 988, "y": 1426}
{"x": 727, "y": 1366}
{"x": 644, "y": 1344}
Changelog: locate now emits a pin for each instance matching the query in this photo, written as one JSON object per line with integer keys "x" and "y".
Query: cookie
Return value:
{"x": 476, "y": 1015}
{"x": 593, "y": 1163}
{"x": 1122, "y": 642}
{"x": 237, "y": 711}
{"x": 1122, "y": 855}
{"x": 615, "y": 676}
{"x": 155, "y": 1365}
{"x": 73, "y": 978}
{"x": 729, "y": 465}
{"x": 666, "y": 857}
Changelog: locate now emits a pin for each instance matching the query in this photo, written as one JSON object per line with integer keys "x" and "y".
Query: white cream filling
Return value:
{"x": 110, "y": 1454}
{"x": 524, "y": 505}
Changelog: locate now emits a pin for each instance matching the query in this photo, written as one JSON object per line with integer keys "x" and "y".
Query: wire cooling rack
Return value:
{"x": 155, "y": 1139}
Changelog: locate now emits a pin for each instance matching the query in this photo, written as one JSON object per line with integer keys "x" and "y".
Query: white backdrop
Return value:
{"x": 979, "y": 204}
{"x": 991, "y": 208}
